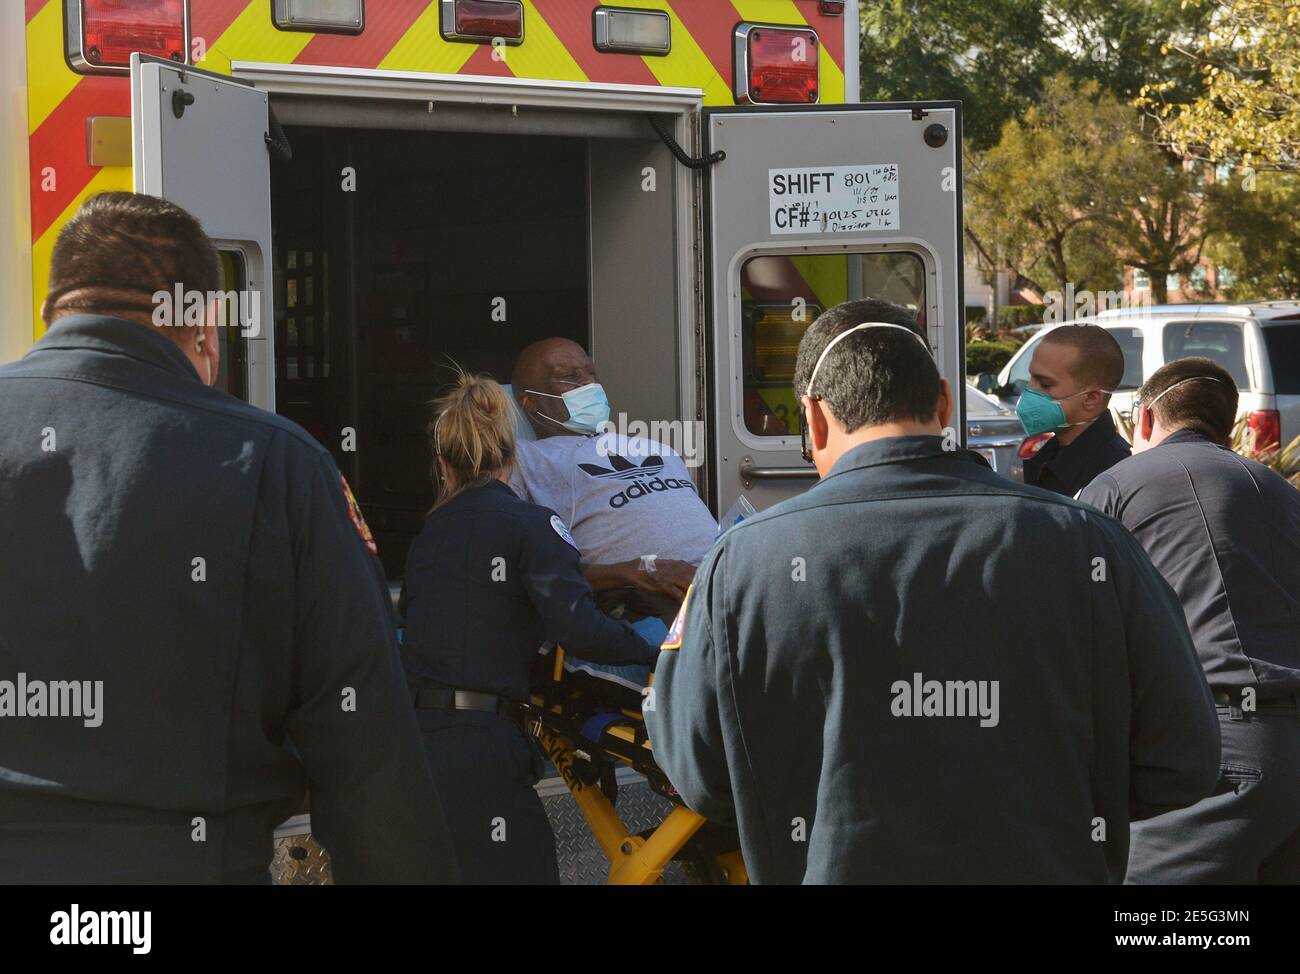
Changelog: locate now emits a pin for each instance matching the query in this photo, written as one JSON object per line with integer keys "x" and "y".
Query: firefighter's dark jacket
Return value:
{"x": 489, "y": 580}
{"x": 196, "y": 555}
{"x": 1068, "y": 469}
{"x": 1224, "y": 531}
{"x": 805, "y": 624}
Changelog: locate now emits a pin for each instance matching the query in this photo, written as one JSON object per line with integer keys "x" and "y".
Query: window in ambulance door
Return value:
{"x": 782, "y": 294}
{"x": 233, "y": 376}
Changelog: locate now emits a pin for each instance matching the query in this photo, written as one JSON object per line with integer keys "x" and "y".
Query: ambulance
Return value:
{"x": 681, "y": 186}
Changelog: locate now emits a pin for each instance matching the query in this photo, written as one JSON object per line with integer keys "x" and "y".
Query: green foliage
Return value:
{"x": 1248, "y": 64}
{"x": 1255, "y": 234}
{"x": 1065, "y": 181}
{"x": 995, "y": 55}
{"x": 991, "y": 55}
{"x": 1074, "y": 190}
{"x": 988, "y": 356}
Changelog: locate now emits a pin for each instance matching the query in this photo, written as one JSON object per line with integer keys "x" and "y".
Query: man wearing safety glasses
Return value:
{"x": 842, "y": 682}
{"x": 1224, "y": 531}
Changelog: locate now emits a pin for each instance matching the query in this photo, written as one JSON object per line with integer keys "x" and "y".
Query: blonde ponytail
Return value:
{"x": 472, "y": 429}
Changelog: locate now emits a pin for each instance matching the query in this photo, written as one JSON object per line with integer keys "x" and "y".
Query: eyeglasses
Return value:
{"x": 805, "y": 450}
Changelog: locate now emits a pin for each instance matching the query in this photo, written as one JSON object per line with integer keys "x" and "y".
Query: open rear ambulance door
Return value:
{"x": 200, "y": 140}
{"x": 812, "y": 206}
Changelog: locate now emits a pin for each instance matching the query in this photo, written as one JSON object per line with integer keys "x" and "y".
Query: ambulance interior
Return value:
{"x": 459, "y": 246}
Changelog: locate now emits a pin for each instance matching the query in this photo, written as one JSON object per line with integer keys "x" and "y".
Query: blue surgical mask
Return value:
{"x": 1041, "y": 413}
{"x": 587, "y": 405}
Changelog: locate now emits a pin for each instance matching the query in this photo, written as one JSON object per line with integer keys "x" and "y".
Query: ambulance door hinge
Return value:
{"x": 277, "y": 143}
{"x": 690, "y": 162}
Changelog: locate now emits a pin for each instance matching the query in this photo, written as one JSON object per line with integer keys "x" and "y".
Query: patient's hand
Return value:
{"x": 669, "y": 578}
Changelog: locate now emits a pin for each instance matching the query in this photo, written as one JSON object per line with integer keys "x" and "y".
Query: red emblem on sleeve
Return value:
{"x": 359, "y": 522}
{"x": 674, "y": 638}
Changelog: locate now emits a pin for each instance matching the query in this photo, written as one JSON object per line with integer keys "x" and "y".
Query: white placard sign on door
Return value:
{"x": 833, "y": 199}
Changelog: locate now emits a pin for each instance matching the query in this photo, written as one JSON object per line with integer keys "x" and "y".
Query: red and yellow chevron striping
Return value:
{"x": 399, "y": 35}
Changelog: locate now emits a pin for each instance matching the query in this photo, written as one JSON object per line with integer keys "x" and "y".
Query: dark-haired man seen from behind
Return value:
{"x": 1224, "y": 531}
{"x": 1072, "y": 373}
{"x": 189, "y": 577}
{"x": 837, "y": 689}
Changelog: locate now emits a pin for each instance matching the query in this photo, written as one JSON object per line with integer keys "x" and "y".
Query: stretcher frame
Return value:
{"x": 635, "y": 859}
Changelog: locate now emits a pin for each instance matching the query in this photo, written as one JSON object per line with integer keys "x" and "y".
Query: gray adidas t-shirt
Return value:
{"x": 622, "y": 497}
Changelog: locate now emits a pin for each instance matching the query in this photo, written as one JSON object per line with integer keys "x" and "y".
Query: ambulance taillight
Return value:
{"x": 482, "y": 21}
{"x": 776, "y": 65}
{"x": 101, "y": 35}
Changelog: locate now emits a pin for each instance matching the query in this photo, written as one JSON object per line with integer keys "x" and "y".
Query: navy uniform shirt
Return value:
{"x": 1225, "y": 533}
{"x": 797, "y": 703}
{"x": 489, "y": 580}
{"x": 197, "y": 556}
{"x": 1068, "y": 469}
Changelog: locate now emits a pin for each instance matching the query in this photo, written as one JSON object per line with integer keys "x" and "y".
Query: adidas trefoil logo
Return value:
{"x": 646, "y": 479}
{"x": 620, "y": 468}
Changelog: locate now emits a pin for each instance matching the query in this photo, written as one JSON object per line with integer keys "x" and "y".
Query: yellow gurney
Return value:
{"x": 586, "y": 736}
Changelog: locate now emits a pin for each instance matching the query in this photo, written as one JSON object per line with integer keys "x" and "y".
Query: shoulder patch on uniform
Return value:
{"x": 359, "y": 522}
{"x": 562, "y": 531}
{"x": 674, "y": 638}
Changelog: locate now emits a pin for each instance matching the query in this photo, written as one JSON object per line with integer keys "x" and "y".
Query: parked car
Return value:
{"x": 1258, "y": 344}
{"x": 995, "y": 431}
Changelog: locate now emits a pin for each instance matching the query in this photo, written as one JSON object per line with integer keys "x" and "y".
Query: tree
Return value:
{"x": 1156, "y": 218}
{"x": 1074, "y": 189}
{"x": 1255, "y": 235}
{"x": 1248, "y": 107}
{"x": 1124, "y": 44}
{"x": 1032, "y": 198}
{"x": 995, "y": 55}
{"x": 990, "y": 54}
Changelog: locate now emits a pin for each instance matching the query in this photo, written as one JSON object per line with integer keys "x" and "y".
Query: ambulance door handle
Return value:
{"x": 750, "y": 472}
{"x": 181, "y": 99}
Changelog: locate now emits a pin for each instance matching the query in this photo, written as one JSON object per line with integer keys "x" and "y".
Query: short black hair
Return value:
{"x": 122, "y": 248}
{"x": 875, "y": 376}
{"x": 1101, "y": 360}
{"x": 1206, "y": 405}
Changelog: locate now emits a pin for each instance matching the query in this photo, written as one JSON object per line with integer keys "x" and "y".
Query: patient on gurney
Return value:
{"x": 629, "y": 502}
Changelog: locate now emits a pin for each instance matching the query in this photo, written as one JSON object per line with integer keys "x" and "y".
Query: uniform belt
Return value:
{"x": 1272, "y": 699}
{"x": 429, "y": 695}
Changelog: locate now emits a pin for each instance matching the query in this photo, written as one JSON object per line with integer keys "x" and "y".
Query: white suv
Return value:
{"x": 1258, "y": 344}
